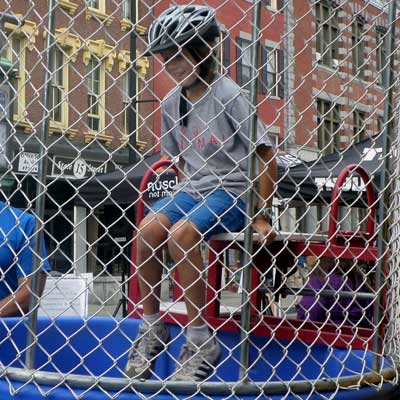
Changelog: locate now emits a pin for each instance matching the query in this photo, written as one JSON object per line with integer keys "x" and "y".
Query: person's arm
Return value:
{"x": 266, "y": 188}
{"x": 18, "y": 303}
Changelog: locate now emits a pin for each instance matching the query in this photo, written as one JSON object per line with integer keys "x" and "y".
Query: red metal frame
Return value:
{"x": 134, "y": 291}
{"x": 340, "y": 244}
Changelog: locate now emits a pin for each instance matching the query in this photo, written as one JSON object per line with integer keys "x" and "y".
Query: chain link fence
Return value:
{"x": 287, "y": 115}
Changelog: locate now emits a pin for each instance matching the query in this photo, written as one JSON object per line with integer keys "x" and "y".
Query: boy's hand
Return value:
{"x": 266, "y": 234}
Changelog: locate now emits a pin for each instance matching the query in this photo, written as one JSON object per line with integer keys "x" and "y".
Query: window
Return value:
{"x": 381, "y": 125}
{"x": 328, "y": 126}
{"x": 357, "y": 41}
{"x": 58, "y": 108}
{"x": 225, "y": 52}
{"x": 380, "y": 53}
{"x": 95, "y": 96}
{"x": 94, "y": 3}
{"x": 358, "y": 126}
{"x": 14, "y": 52}
{"x": 243, "y": 63}
{"x": 126, "y": 12}
{"x": 271, "y": 77}
{"x": 327, "y": 33}
{"x": 274, "y": 4}
{"x": 125, "y": 101}
{"x": 96, "y": 9}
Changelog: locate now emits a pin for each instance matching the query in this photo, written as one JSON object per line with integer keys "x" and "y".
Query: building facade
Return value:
{"x": 335, "y": 76}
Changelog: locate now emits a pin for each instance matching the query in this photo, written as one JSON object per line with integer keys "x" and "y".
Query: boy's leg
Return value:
{"x": 153, "y": 335}
{"x": 184, "y": 248}
{"x": 217, "y": 213}
{"x": 153, "y": 233}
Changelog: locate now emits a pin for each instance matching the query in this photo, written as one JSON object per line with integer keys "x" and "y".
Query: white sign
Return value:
{"x": 353, "y": 183}
{"x": 66, "y": 295}
{"x": 77, "y": 168}
{"x": 28, "y": 162}
{"x": 370, "y": 153}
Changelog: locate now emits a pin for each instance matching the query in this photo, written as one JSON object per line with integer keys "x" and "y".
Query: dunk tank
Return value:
{"x": 342, "y": 206}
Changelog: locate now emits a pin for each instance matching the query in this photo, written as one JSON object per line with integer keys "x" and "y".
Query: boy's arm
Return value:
{"x": 18, "y": 303}
{"x": 266, "y": 184}
{"x": 181, "y": 168}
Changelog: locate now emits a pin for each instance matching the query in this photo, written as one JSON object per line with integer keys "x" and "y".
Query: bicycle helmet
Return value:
{"x": 181, "y": 26}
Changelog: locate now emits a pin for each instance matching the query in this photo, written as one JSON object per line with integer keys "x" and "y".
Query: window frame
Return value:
{"x": 327, "y": 51}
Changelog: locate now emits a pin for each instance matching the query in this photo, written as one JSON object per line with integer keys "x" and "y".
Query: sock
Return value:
{"x": 152, "y": 319}
{"x": 198, "y": 335}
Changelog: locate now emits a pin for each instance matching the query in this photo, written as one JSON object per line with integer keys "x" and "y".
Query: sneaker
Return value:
{"x": 149, "y": 343}
{"x": 197, "y": 363}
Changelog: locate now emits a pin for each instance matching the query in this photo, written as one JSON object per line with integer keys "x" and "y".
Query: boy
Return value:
{"x": 205, "y": 121}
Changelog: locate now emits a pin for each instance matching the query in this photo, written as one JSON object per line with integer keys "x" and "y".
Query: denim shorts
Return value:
{"x": 219, "y": 211}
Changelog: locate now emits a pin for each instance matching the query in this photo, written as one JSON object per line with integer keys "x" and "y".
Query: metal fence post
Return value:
{"x": 384, "y": 189}
{"x": 248, "y": 238}
{"x": 41, "y": 189}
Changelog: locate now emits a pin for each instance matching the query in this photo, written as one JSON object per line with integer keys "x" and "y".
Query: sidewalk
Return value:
{"x": 230, "y": 303}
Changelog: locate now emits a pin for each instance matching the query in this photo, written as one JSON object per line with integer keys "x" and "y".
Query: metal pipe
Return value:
{"x": 40, "y": 191}
{"x": 132, "y": 125}
{"x": 150, "y": 387}
{"x": 323, "y": 293}
{"x": 248, "y": 235}
{"x": 384, "y": 179}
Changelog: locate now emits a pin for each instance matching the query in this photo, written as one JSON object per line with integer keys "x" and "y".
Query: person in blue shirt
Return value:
{"x": 17, "y": 236}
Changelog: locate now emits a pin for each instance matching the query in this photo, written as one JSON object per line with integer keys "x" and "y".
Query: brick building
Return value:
{"x": 90, "y": 99}
{"x": 88, "y": 108}
{"x": 335, "y": 78}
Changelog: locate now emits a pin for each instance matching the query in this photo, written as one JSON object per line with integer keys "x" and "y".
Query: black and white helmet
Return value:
{"x": 179, "y": 25}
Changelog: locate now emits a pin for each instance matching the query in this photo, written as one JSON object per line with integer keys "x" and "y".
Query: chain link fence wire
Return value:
{"x": 297, "y": 122}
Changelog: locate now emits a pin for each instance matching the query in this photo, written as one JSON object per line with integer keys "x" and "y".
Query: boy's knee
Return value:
{"x": 184, "y": 236}
{"x": 153, "y": 230}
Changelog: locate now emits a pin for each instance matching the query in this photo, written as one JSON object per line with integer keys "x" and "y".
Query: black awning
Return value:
{"x": 313, "y": 181}
{"x": 298, "y": 181}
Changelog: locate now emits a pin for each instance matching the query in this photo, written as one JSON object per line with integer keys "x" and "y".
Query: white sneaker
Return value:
{"x": 197, "y": 363}
{"x": 149, "y": 343}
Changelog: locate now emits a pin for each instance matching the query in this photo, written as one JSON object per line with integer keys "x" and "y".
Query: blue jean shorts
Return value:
{"x": 219, "y": 211}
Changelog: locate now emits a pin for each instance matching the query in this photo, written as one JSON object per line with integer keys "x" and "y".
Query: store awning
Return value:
{"x": 298, "y": 181}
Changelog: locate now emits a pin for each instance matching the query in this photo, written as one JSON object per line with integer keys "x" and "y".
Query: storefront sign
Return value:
{"x": 28, "y": 162}
{"x": 77, "y": 168}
